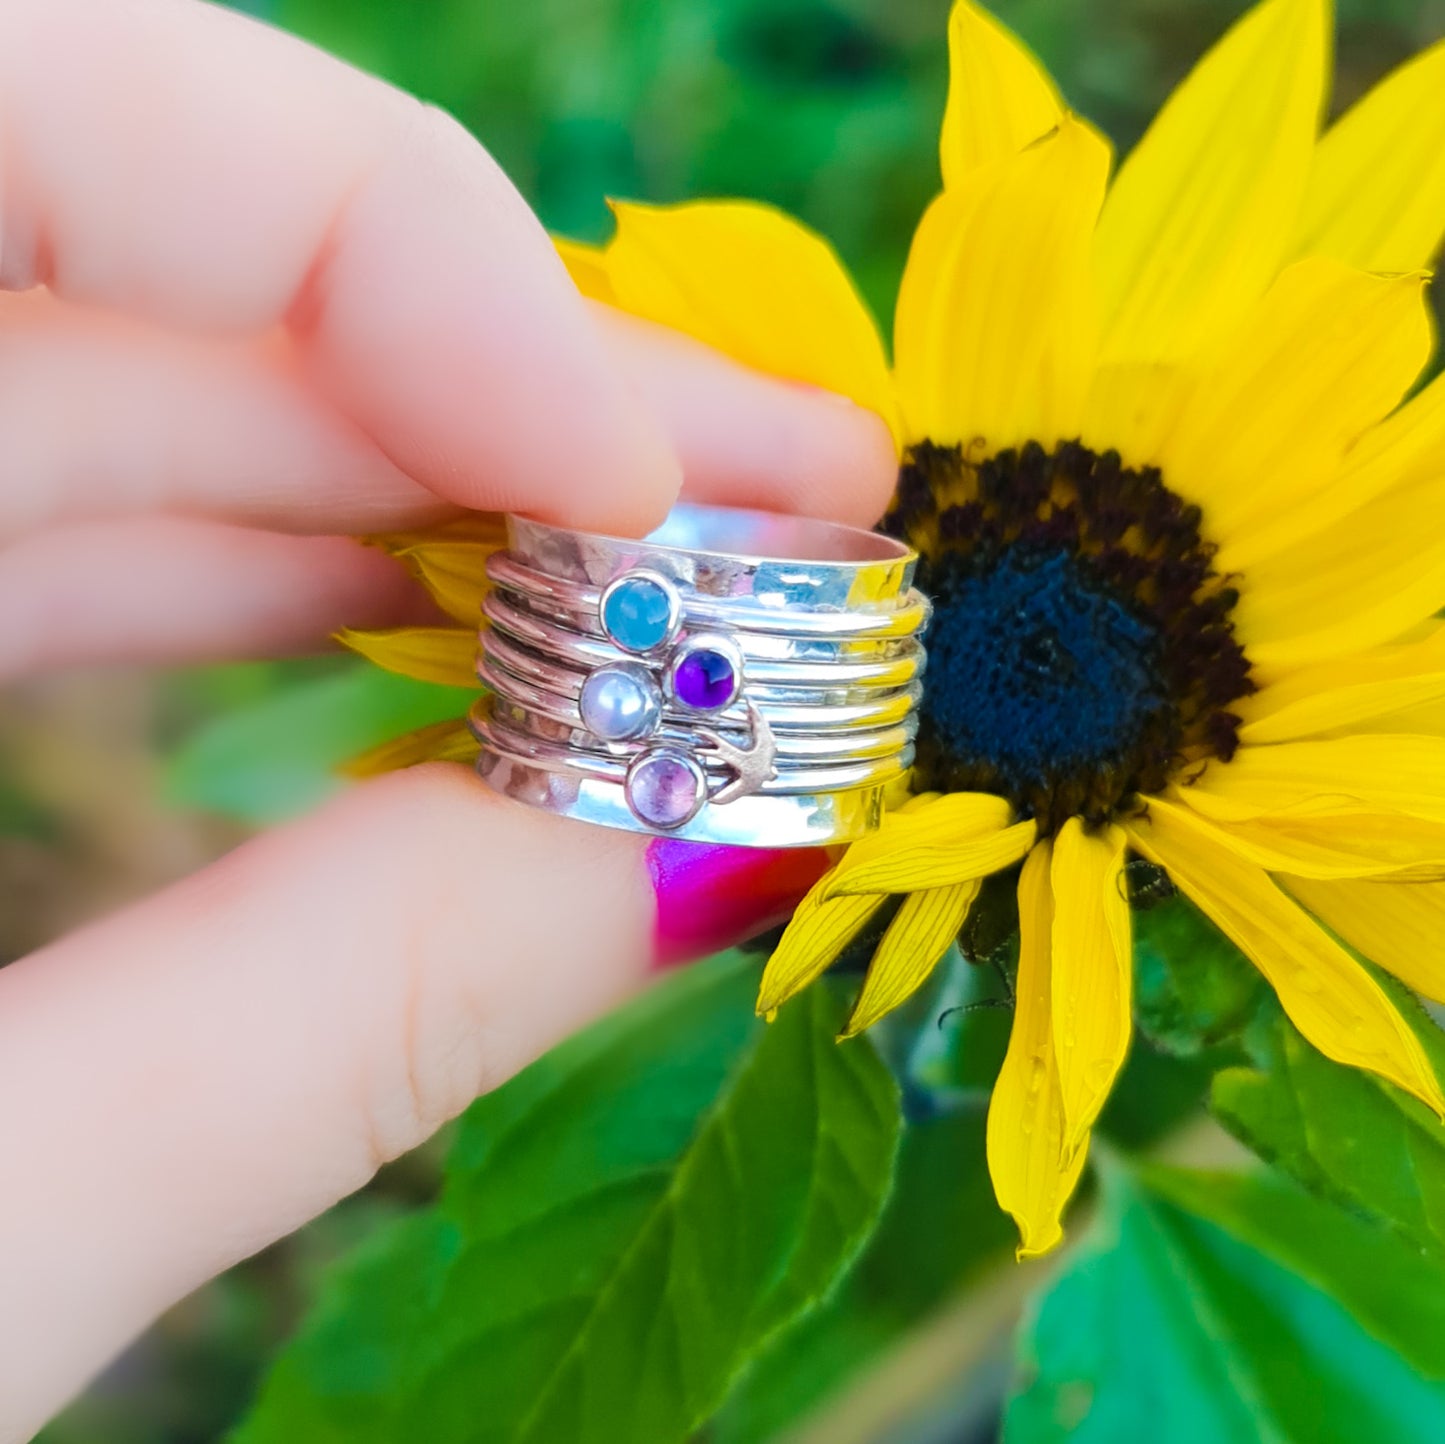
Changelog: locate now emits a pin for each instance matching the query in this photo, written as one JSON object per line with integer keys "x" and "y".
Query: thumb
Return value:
{"x": 193, "y": 1078}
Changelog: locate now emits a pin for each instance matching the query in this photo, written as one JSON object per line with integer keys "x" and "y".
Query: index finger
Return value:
{"x": 175, "y": 160}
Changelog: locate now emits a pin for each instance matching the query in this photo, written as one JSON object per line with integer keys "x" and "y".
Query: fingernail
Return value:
{"x": 711, "y": 897}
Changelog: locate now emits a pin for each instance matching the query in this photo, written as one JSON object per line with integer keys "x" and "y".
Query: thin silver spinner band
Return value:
{"x": 820, "y": 690}
{"x": 783, "y": 712}
{"x": 791, "y": 670}
{"x": 587, "y": 648}
{"x": 734, "y": 677}
{"x": 561, "y": 754}
{"x": 549, "y": 723}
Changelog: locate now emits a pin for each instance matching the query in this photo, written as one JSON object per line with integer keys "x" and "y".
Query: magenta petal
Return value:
{"x": 711, "y": 897}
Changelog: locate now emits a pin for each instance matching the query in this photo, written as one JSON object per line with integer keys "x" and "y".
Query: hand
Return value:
{"x": 267, "y": 302}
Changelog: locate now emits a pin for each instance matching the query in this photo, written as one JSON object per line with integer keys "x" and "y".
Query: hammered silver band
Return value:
{"x": 734, "y": 677}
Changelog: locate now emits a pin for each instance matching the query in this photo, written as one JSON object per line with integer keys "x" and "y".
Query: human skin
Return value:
{"x": 251, "y": 301}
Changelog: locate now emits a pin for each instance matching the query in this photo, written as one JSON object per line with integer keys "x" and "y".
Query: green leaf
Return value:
{"x": 1194, "y": 990}
{"x": 1166, "y": 1328}
{"x": 1341, "y": 1133}
{"x": 1388, "y": 1285}
{"x": 279, "y": 756}
{"x": 1155, "y": 1093}
{"x": 623, "y": 1227}
{"x": 941, "y": 1229}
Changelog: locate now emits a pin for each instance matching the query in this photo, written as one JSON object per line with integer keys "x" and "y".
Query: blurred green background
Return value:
{"x": 829, "y": 108}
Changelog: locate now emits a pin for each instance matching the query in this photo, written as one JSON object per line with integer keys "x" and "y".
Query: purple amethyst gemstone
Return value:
{"x": 664, "y": 788}
{"x": 705, "y": 680}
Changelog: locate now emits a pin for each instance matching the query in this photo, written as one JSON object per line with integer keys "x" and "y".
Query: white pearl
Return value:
{"x": 620, "y": 702}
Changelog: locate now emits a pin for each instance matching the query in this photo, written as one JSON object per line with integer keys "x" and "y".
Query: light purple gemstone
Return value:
{"x": 704, "y": 680}
{"x": 664, "y": 789}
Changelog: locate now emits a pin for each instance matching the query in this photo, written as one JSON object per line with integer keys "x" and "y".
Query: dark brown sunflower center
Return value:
{"x": 1081, "y": 650}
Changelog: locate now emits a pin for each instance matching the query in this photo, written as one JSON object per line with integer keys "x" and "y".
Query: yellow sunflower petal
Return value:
{"x": 1133, "y": 406}
{"x": 994, "y": 328}
{"x": 1339, "y": 694}
{"x": 1328, "y": 777}
{"x": 1000, "y": 99}
{"x": 1425, "y": 719}
{"x": 1406, "y": 448}
{"x": 446, "y": 655}
{"x": 1397, "y": 925}
{"x": 924, "y": 862}
{"x": 449, "y": 741}
{"x": 1376, "y": 195}
{"x": 756, "y": 284}
{"x": 1092, "y": 968}
{"x": 1329, "y": 997}
{"x": 1326, "y": 353}
{"x": 1359, "y": 583}
{"x": 485, "y": 528}
{"x": 819, "y": 931}
{"x": 929, "y": 820}
{"x": 1197, "y": 223}
{"x": 453, "y": 572}
{"x": 1033, "y": 1176}
{"x": 1354, "y": 846}
{"x": 587, "y": 265}
{"x": 925, "y": 927}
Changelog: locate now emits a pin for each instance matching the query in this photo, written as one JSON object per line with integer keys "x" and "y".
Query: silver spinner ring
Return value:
{"x": 735, "y": 677}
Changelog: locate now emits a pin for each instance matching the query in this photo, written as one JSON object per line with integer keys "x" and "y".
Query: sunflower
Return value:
{"x": 1179, "y": 522}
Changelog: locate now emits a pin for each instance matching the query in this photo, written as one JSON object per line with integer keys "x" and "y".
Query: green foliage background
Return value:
{"x": 683, "y": 1224}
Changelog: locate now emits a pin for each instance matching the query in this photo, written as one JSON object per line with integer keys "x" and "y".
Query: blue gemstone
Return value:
{"x": 638, "y": 613}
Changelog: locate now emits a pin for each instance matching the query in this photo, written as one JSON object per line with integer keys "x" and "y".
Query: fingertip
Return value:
{"x": 842, "y": 457}
{"x": 630, "y": 474}
{"x": 747, "y": 439}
